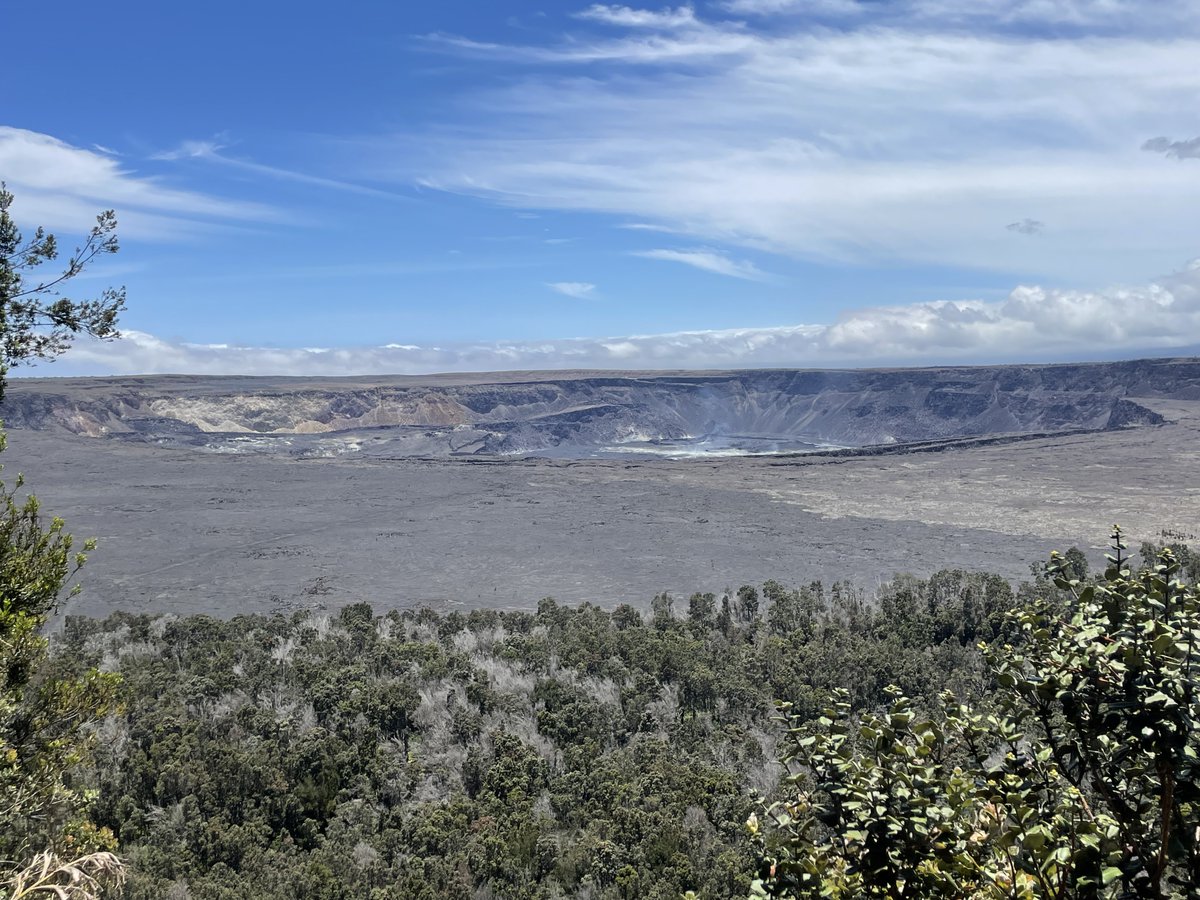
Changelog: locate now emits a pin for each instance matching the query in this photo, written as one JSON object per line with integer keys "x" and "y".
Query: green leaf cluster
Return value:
{"x": 43, "y": 805}
{"x": 1076, "y": 778}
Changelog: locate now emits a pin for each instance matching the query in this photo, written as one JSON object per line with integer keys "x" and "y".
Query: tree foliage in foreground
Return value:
{"x": 36, "y": 321}
{"x": 46, "y": 835}
{"x": 48, "y": 844}
{"x": 1077, "y": 780}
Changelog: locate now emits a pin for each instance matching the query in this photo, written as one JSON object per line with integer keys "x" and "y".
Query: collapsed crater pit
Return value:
{"x": 603, "y": 414}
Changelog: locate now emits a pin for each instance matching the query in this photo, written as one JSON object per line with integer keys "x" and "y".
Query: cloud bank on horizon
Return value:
{"x": 1030, "y": 325}
{"x": 995, "y": 181}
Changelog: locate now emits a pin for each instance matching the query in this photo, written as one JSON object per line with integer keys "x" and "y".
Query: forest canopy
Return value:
{"x": 571, "y": 751}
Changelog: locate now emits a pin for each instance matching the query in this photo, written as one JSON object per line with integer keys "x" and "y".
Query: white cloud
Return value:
{"x": 62, "y": 186}
{"x": 709, "y": 261}
{"x": 1031, "y": 323}
{"x": 1082, "y": 14}
{"x": 667, "y": 17}
{"x": 810, "y": 7}
{"x": 1108, "y": 15}
{"x": 643, "y": 226}
{"x": 192, "y": 150}
{"x": 576, "y": 289}
{"x": 888, "y": 141}
{"x": 696, "y": 43}
{"x": 210, "y": 151}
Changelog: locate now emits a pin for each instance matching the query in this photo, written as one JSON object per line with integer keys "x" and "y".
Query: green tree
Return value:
{"x": 43, "y": 820}
{"x": 1079, "y": 780}
{"x": 747, "y": 603}
{"x": 1077, "y": 564}
{"x": 47, "y": 843}
{"x": 701, "y": 610}
{"x": 36, "y": 321}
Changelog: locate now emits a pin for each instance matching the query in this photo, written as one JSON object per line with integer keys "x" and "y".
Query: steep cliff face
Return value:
{"x": 590, "y": 412}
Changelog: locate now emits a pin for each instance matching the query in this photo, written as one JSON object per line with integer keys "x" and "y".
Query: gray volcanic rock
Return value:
{"x": 585, "y": 413}
{"x": 313, "y": 493}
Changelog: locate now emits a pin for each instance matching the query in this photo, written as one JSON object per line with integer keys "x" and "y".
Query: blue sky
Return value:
{"x": 400, "y": 187}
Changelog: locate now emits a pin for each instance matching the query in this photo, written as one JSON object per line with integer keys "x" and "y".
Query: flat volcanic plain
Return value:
{"x": 226, "y": 496}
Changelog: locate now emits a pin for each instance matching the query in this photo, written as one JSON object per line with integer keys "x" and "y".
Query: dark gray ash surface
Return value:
{"x": 186, "y": 529}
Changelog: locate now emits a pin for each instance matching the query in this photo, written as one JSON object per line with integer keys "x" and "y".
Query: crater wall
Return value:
{"x": 581, "y": 413}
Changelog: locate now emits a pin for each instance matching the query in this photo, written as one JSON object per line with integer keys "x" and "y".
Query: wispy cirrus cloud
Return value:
{"x": 1128, "y": 15}
{"x": 812, "y": 7}
{"x": 678, "y": 17}
{"x": 708, "y": 261}
{"x": 575, "y": 289}
{"x": 1045, "y": 323}
{"x": 211, "y": 150}
{"x": 61, "y": 186}
{"x": 898, "y": 138}
{"x": 192, "y": 149}
{"x": 657, "y": 46}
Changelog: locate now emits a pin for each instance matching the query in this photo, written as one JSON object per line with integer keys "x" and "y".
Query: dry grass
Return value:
{"x": 84, "y": 878}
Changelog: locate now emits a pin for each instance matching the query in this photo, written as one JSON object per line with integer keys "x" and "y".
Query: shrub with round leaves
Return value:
{"x": 1076, "y": 779}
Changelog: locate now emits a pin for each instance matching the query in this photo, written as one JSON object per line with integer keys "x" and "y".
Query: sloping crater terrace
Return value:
{"x": 586, "y": 414}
